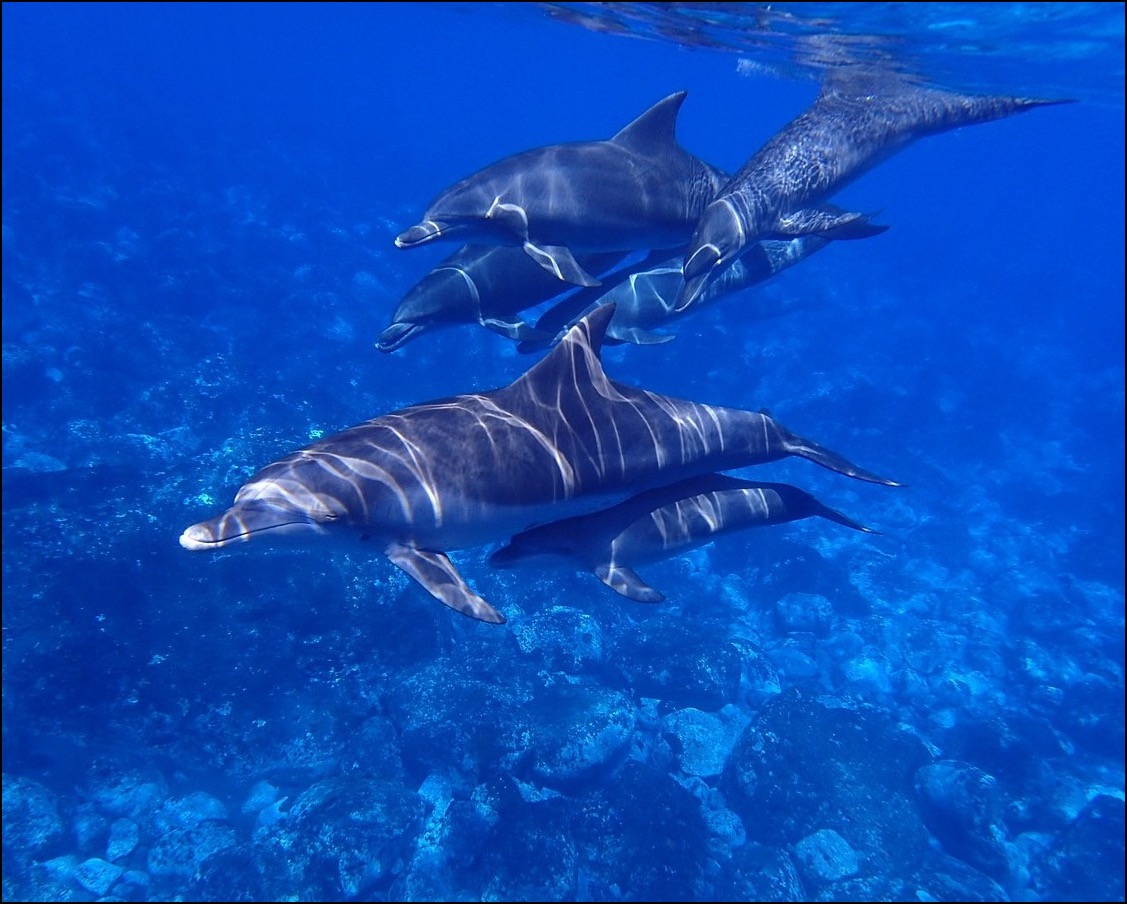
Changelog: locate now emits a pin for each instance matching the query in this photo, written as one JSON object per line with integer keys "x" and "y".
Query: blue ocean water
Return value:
{"x": 199, "y": 207}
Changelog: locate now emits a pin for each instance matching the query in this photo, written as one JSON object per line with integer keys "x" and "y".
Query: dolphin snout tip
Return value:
{"x": 396, "y": 336}
{"x": 197, "y": 537}
{"x": 690, "y": 292}
{"x": 418, "y": 235}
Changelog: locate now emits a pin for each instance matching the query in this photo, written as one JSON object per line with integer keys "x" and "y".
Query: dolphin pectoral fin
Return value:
{"x": 515, "y": 328}
{"x": 437, "y": 574}
{"x": 623, "y": 580}
{"x": 862, "y": 229}
{"x": 534, "y": 348}
{"x": 828, "y": 222}
{"x": 639, "y": 336}
{"x": 558, "y": 260}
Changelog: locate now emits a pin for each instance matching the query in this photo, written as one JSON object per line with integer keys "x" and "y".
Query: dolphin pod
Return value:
{"x": 562, "y": 440}
{"x": 661, "y": 523}
{"x": 565, "y": 462}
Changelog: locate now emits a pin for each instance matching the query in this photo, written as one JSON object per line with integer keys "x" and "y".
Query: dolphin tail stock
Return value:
{"x": 820, "y": 455}
{"x": 438, "y": 575}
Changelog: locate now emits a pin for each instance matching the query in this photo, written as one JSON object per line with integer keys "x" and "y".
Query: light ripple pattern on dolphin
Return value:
{"x": 562, "y": 440}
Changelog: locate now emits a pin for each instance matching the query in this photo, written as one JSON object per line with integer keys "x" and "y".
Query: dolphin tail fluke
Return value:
{"x": 808, "y": 449}
{"x": 438, "y": 575}
{"x": 625, "y": 581}
{"x": 831, "y": 514}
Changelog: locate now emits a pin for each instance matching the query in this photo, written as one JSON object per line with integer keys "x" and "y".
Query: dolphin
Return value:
{"x": 644, "y": 301}
{"x": 639, "y": 189}
{"x": 484, "y": 284}
{"x": 853, "y": 125}
{"x": 660, "y": 523}
{"x": 562, "y": 440}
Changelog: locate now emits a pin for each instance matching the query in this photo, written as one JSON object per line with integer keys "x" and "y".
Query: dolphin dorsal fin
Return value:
{"x": 575, "y": 361}
{"x": 656, "y": 129}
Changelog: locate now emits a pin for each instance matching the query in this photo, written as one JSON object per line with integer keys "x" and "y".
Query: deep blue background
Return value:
{"x": 198, "y": 212}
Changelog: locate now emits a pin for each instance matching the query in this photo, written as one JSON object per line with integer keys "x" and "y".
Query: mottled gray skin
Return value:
{"x": 562, "y": 440}
{"x": 639, "y": 189}
{"x": 660, "y": 523}
{"x": 483, "y": 284}
{"x": 848, "y": 130}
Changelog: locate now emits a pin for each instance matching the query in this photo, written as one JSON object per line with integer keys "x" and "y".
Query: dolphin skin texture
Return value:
{"x": 851, "y": 127}
{"x": 639, "y": 189}
{"x": 660, "y": 523}
{"x": 562, "y": 440}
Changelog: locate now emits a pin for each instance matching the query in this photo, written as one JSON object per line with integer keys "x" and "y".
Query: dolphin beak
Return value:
{"x": 690, "y": 292}
{"x": 698, "y": 268}
{"x": 397, "y": 335}
{"x": 424, "y": 232}
{"x": 205, "y": 535}
{"x": 246, "y": 522}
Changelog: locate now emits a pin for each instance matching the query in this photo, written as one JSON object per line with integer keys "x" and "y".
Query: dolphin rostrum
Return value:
{"x": 660, "y": 523}
{"x": 562, "y": 440}
{"x": 485, "y": 284}
{"x": 851, "y": 127}
{"x": 639, "y": 189}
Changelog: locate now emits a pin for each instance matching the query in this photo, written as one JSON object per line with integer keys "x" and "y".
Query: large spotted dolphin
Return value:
{"x": 484, "y": 284}
{"x": 637, "y": 190}
{"x": 660, "y": 523}
{"x": 850, "y": 128}
{"x": 562, "y": 440}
